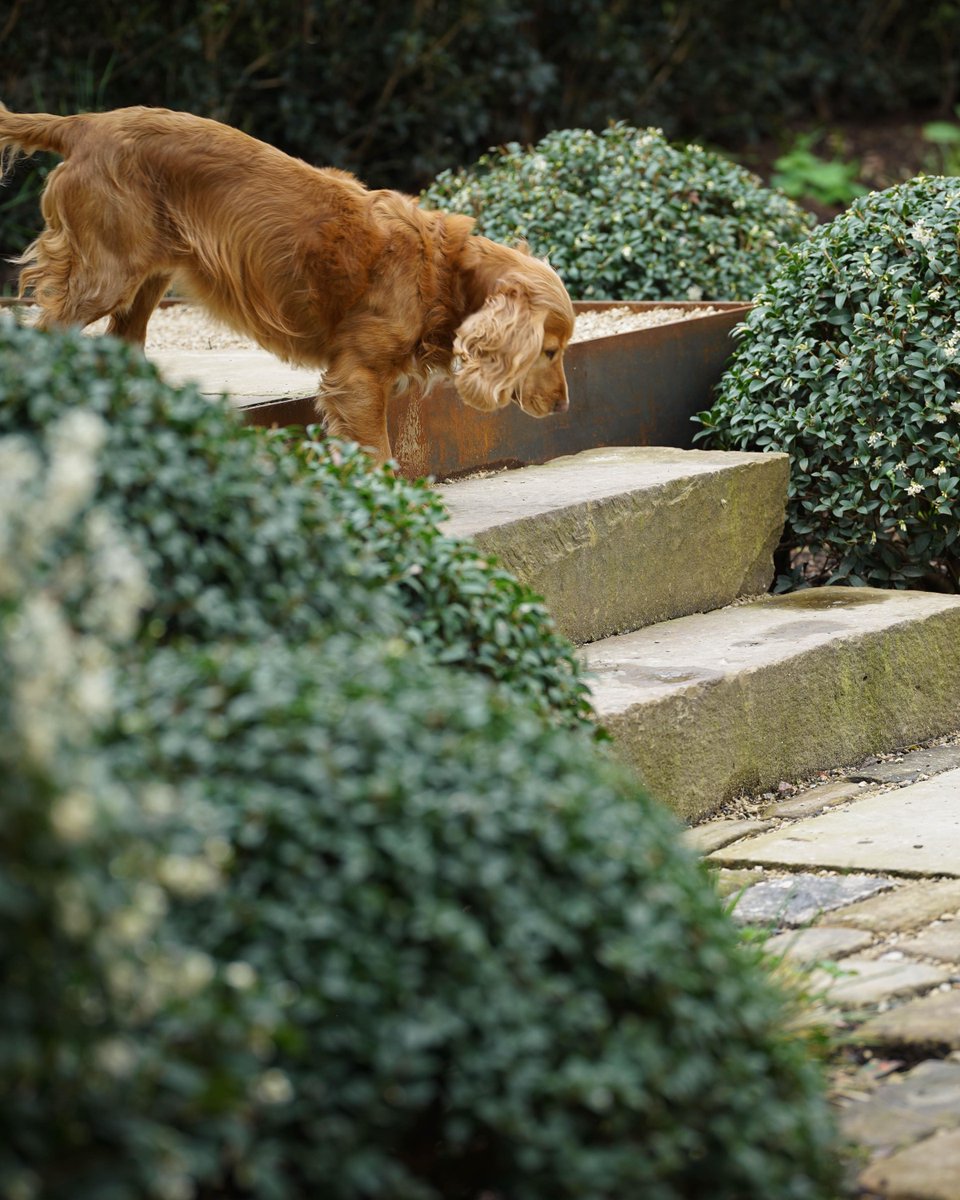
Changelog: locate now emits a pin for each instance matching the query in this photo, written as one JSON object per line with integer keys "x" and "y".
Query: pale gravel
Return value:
{"x": 186, "y": 327}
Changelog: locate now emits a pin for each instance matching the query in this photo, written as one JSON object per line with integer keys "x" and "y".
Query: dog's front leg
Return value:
{"x": 353, "y": 403}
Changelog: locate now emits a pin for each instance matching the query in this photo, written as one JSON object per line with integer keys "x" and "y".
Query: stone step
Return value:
{"x": 619, "y": 538}
{"x": 736, "y": 700}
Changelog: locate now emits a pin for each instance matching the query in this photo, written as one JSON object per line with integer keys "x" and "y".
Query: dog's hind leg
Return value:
{"x": 131, "y": 323}
{"x": 93, "y": 257}
{"x": 67, "y": 289}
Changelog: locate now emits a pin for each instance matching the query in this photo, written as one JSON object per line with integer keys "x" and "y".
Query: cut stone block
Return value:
{"x": 710, "y": 705}
{"x": 619, "y": 538}
{"x": 910, "y": 766}
{"x": 914, "y": 830}
{"x": 814, "y": 801}
{"x": 246, "y": 375}
{"x": 715, "y": 834}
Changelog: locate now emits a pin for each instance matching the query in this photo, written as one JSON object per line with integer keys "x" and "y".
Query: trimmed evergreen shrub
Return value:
{"x": 487, "y": 964}
{"x": 849, "y": 363}
{"x": 625, "y": 215}
{"x": 247, "y": 535}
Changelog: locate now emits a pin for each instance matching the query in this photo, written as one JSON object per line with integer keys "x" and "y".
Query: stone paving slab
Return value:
{"x": 860, "y": 982}
{"x": 715, "y": 834}
{"x": 909, "y": 767}
{"x": 792, "y": 900}
{"x": 245, "y": 376}
{"x": 929, "y": 1023}
{"x": 940, "y": 941}
{"x": 914, "y": 830}
{"x": 906, "y": 1107}
{"x": 815, "y": 800}
{"x": 707, "y": 706}
{"x": 623, "y": 537}
{"x": 820, "y": 943}
{"x": 911, "y": 905}
{"x": 928, "y": 1170}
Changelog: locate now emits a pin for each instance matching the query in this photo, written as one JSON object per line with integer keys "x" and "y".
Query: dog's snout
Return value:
{"x": 562, "y": 403}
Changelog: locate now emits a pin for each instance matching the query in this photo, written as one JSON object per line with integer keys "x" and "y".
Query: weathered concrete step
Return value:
{"x": 736, "y": 700}
{"x": 619, "y": 538}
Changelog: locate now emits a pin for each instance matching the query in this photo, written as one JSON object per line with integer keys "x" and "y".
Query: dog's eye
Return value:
{"x": 551, "y": 354}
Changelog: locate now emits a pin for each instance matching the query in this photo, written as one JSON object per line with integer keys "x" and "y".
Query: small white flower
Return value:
{"x": 273, "y": 1087}
{"x": 240, "y": 975}
{"x": 940, "y": 469}
{"x": 914, "y": 489}
{"x": 195, "y": 971}
{"x": 188, "y": 876}
{"x": 116, "y": 1056}
{"x": 921, "y": 233}
{"x": 72, "y": 817}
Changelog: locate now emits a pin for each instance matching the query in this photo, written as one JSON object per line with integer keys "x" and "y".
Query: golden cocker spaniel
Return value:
{"x": 364, "y": 285}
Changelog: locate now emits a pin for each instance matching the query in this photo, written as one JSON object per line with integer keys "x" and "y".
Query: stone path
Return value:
{"x": 857, "y": 882}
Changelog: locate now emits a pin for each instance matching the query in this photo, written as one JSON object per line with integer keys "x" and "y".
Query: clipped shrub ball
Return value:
{"x": 482, "y": 961}
{"x": 248, "y": 534}
{"x": 625, "y": 215}
{"x": 849, "y": 363}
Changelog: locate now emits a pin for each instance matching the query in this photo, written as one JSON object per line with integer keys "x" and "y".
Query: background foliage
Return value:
{"x": 624, "y": 215}
{"x": 398, "y": 92}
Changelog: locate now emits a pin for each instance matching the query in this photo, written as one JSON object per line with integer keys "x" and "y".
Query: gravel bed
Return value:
{"x": 603, "y": 322}
{"x": 185, "y": 327}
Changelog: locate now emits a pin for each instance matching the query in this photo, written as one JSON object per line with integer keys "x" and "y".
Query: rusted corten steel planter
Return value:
{"x": 630, "y": 389}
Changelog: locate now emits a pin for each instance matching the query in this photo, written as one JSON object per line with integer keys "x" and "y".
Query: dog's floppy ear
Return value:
{"x": 495, "y": 347}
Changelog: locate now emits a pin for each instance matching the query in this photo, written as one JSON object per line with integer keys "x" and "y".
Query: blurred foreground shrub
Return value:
{"x": 314, "y": 914}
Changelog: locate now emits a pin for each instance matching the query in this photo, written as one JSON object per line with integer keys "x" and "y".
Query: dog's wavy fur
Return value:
{"x": 365, "y": 285}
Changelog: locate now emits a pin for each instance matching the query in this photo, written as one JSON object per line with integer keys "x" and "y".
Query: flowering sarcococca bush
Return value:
{"x": 625, "y": 215}
{"x": 849, "y": 362}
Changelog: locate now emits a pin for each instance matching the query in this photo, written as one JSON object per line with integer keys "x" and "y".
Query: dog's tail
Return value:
{"x": 23, "y": 133}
